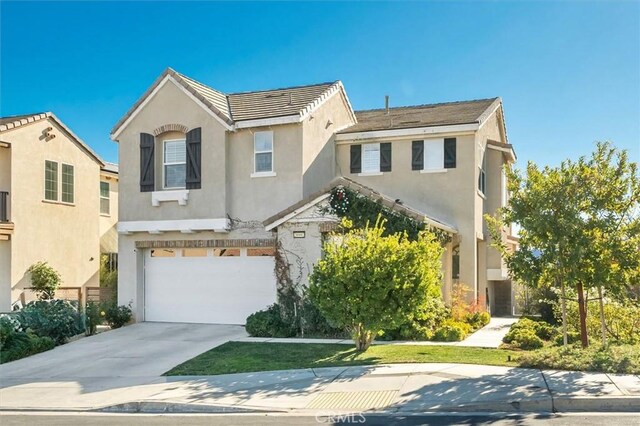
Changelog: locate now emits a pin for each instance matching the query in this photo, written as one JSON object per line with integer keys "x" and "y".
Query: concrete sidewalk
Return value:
{"x": 387, "y": 388}
{"x": 489, "y": 336}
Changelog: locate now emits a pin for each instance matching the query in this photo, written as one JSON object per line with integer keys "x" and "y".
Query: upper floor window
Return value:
{"x": 50, "y": 180}
{"x": 175, "y": 163}
{"x": 105, "y": 205}
{"x": 482, "y": 172}
{"x": 371, "y": 158}
{"x": 433, "y": 154}
{"x": 59, "y": 180}
{"x": 263, "y": 152}
{"x": 68, "y": 184}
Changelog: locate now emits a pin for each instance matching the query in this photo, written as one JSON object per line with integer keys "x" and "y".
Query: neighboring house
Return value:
{"x": 109, "y": 210}
{"x": 49, "y": 204}
{"x": 217, "y": 184}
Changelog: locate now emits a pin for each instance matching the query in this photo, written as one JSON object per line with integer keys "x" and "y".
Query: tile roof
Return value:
{"x": 276, "y": 102}
{"x": 12, "y": 122}
{"x": 235, "y": 107}
{"x": 407, "y": 117}
{"x": 385, "y": 200}
{"x": 110, "y": 167}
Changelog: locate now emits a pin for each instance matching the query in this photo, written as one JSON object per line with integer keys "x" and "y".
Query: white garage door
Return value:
{"x": 217, "y": 286}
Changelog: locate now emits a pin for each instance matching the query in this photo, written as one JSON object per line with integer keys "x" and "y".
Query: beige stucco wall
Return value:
{"x": 257, "y": 198}
{"x": 108, "y": 228}
{"x": 66, "y": 236}
{"x": 318, "y": 156}
{"x": 172, "y": 106}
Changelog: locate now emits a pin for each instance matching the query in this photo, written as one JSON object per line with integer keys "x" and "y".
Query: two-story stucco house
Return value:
{"x": 212, "y": 184}
{"x": 50, "y": 205}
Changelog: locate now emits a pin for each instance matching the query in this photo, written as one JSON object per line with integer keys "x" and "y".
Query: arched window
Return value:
{"x": 455, "y": 263}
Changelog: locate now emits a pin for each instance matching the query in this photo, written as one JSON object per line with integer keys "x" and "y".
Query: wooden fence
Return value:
{"x": 73, "y": 294}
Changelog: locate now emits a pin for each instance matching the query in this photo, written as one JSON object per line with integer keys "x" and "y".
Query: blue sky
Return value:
{"x": 568, "y": 72}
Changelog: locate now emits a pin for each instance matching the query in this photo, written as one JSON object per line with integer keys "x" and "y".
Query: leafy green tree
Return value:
{"x": 578, "y": 227}
{"x": 367, "y": 282}
{"x": 44, "y": 280}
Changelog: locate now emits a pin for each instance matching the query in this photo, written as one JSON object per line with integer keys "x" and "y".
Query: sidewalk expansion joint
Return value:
{"x": 553, "y": 403}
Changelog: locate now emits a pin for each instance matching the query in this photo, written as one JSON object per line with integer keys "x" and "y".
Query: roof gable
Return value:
{"x": 230, "y": 109}
{"x": 318, "y": 197}
{"x": 14, "y": 122}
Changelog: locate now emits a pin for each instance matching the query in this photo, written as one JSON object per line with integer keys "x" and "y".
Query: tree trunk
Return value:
{"x": 583, "y": 317}
{"x": 362, "y": 337}
{"x": 603, "y": 323}
{"x": 565, "y": 341}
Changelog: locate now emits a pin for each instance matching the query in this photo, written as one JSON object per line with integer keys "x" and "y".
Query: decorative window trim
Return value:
{"x": 482, "y": 172}
{"x": 434, "y": 170}
{"x": 170, "y": 128}
{"x": 165, "y": 164}
{"x": 179, "y": 195}
{"x": 263, "y": 173}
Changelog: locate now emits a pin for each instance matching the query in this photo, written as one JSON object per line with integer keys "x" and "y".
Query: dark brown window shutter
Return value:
{"x": 417, "y": 155}
{"x": 147, "y": 148}
{"x": 450, "y": 153}
{"x": 385, "y": 157}
{"x": 194, "y": 158}
{"x": 356, "y": 158}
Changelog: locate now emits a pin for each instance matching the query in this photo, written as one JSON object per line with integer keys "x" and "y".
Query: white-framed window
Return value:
{"x": 503, "y": 187}
{"x": 263, "y": 152}
{"x": 174, "y": 164}
{"x": 371, "y": 158}
{"x": 482, "y": 172}
{"x": 50, "y": 180}
{"x": 434, "y": 154}
{"x": 105, "y": 202}
{"x": 68, "y": 184}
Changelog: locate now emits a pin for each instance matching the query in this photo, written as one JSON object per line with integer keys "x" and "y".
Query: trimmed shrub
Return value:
{"x": 315, "y": 324}
{"x": 422, "y": 326}
{"x": 526, "y": 339}
{"x": 269, "y": 323}
{"x": 623, "y": 359}
{"x": 57, "y": 319}
{"x": 451, "y": 331}
{"x": 117, "y": 316}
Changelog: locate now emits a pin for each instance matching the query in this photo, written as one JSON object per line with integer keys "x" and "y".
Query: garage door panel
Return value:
{"x": 223, "y": 290}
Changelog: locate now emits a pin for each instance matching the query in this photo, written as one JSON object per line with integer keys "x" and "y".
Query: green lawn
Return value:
{"x": 242, "y": 357}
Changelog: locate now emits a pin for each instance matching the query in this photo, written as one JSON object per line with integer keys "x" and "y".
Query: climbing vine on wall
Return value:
{"x": 360, "y": 210}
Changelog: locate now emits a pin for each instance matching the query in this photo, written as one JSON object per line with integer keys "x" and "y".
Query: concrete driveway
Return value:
{"x": 140, "y": 350}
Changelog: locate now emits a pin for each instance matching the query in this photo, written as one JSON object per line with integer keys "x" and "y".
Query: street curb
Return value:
{"x": 597, "y": 403}
{"x": 178, "y": 407}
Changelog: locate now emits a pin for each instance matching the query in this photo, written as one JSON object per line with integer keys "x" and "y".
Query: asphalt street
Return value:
{"x": 98, "y": 419}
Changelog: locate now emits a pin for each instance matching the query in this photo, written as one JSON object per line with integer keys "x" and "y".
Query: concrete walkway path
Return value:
{"x": 490, "y": 336}
{"x": 399, "y": 388}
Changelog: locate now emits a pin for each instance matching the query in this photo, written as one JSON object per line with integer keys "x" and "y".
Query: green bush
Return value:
{"x": 623, "y": 359}
{"x": 44, "y": 280}
{"x": 315, "y": 324}
{"x": 25, "y": 344}
{"x": 269, "y": 323}
{"x": 451, "y": 331}
{"x": 117, "y": 316}
{"x": 16, "y": 343}
{"x": 429, "y": 317}
{"x": 477, "y": 319}
{"x": 526, "y": 339}
{"x": 57, "y": 319}
{"x": 92, "y": 312}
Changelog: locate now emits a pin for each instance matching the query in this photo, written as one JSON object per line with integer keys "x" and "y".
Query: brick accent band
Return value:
{"x": 252, "y": 242}
{"x": 170, "y": 128}
{"x": 328, "y": 226}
